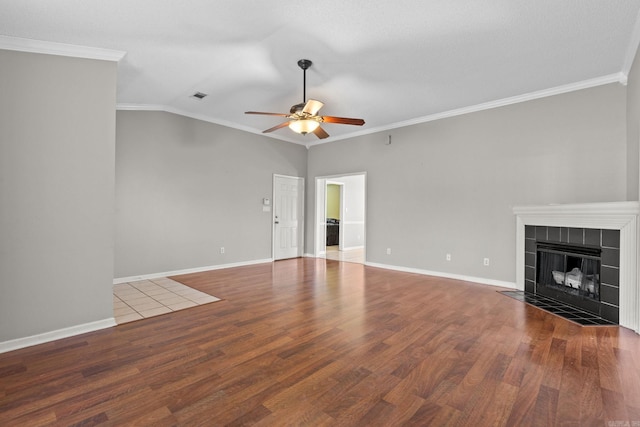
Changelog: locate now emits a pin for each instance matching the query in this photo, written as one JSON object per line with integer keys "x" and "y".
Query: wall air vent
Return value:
{"x": 199, "y": 95}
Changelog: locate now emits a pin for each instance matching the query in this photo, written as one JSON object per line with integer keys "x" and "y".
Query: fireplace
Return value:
{"x": 568, "y": 266}
{"x": 566, "y": 230}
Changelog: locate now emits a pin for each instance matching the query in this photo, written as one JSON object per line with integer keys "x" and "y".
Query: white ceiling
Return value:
{"x": 389, "y": 62}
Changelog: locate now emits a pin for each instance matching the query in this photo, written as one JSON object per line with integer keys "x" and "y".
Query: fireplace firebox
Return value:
{"x": 578, "y": 267}
{"x": 569, "y": 273}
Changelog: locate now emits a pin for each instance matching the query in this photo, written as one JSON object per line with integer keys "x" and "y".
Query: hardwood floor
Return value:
{"x": 320, "y": 342}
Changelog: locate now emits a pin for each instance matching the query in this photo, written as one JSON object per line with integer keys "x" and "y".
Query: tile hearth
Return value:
{"x": 558, "y": 308}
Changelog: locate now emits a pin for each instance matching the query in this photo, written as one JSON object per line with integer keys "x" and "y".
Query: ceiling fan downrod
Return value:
{"x": 304, "y": 64}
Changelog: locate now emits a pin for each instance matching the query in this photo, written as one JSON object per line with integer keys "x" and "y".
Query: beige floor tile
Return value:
{"x": 123, "y": 311}
{"x": 127, "y": 293}
{"x": 158, "y": 291}
{"x": 206, "y": 299}
{"x": 352, "y": 255}
{"x": 175, "y": 287}
{"x": 139, "y": 282}
{"x": 189, "y": 293}
{"x": 145, "y": 287}
{"x": 128, "y": 318}
{"x": 146, "y": 306}
{"x": 141, "y": 295}
{"x": 155, "y": 311}
{"x": 163, "y": 281}
{"x": 119, "y": 304}
{"x": 182, "y": 305}
{"x": 171, "y": 299}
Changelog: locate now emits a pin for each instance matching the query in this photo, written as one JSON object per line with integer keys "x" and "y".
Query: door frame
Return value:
{"x": 320, "y": 219}
{"x": 301, "y": 231}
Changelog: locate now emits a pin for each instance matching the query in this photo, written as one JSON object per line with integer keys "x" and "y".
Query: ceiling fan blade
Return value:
{"x": 267, "y": 114}
{"x": 320, "y": 133}
{"x": 312, "y": 107}
{"x": 276, "y": 127}
{"x": 342, "y": 120}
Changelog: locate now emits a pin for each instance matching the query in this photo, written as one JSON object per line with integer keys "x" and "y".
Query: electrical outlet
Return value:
{"x": 388, "y": 251}
{"x": 222, "y": 249}
{"x": 486, "y": 262}
{"x": 448, "y": 257}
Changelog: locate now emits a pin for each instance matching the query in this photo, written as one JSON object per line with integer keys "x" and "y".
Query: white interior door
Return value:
{"x": 288, "y": 218}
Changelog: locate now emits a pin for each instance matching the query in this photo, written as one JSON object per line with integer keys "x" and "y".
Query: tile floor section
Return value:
{"x": 148, "y": 298}
{"x": 351, "y": 255}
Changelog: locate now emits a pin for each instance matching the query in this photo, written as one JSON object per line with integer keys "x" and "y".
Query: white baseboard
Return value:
{"x": 19, "y": 343}
{"x": 480, "y": 280}
{"x": 189, "y": 271}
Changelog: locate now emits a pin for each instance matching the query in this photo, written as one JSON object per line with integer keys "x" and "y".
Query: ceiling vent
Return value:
{"x": 199, "y": 95}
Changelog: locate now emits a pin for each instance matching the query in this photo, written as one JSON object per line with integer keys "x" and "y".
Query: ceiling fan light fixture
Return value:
{"x": 303, "y": 126}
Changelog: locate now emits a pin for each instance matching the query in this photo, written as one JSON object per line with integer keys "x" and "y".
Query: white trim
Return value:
{"x": 632, "y": 49}
{"x": 202, "y": 117}
{"x": 621, "y": 216}
{"x": 620, "y": 77}
{"x": 320, "y": 212}
{"x": 480, "y": 280}
{"x": 320, "y": 218}
{"x": 189, "y": 271}
{"x": 585, "y": 84}
{"x": 62, "y": 49}
{"x": 19, "y": 343}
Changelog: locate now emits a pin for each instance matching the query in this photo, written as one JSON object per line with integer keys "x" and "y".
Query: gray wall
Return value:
{"x": 185, "y": 188}
{"x": 448, "y": 186}
{"x": 57, "y": 138}
{"x": 633, "y": 131}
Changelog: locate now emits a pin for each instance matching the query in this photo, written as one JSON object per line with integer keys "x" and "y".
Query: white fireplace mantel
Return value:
{"x": 621, "y": 216}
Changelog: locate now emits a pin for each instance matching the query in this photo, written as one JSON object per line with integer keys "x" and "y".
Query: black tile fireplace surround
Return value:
{"x": 601, "y": 244}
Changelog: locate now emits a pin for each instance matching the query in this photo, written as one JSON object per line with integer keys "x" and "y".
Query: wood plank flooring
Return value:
{"x": 314, "y": 342}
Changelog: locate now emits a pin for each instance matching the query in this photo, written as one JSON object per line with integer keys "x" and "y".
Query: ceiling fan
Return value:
{"x": 304, "y": 118}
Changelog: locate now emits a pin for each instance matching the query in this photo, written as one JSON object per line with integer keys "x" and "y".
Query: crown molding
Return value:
{"x": 632, "y": 49}
{"x": 585, "y": 84}
{"x": 620, "y": 78}
{"x": 61, "y": 49}
{"x": 202, "y": 117}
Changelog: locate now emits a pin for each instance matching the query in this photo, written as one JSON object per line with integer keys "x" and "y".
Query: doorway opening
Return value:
{"x": 340, "y": 217}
